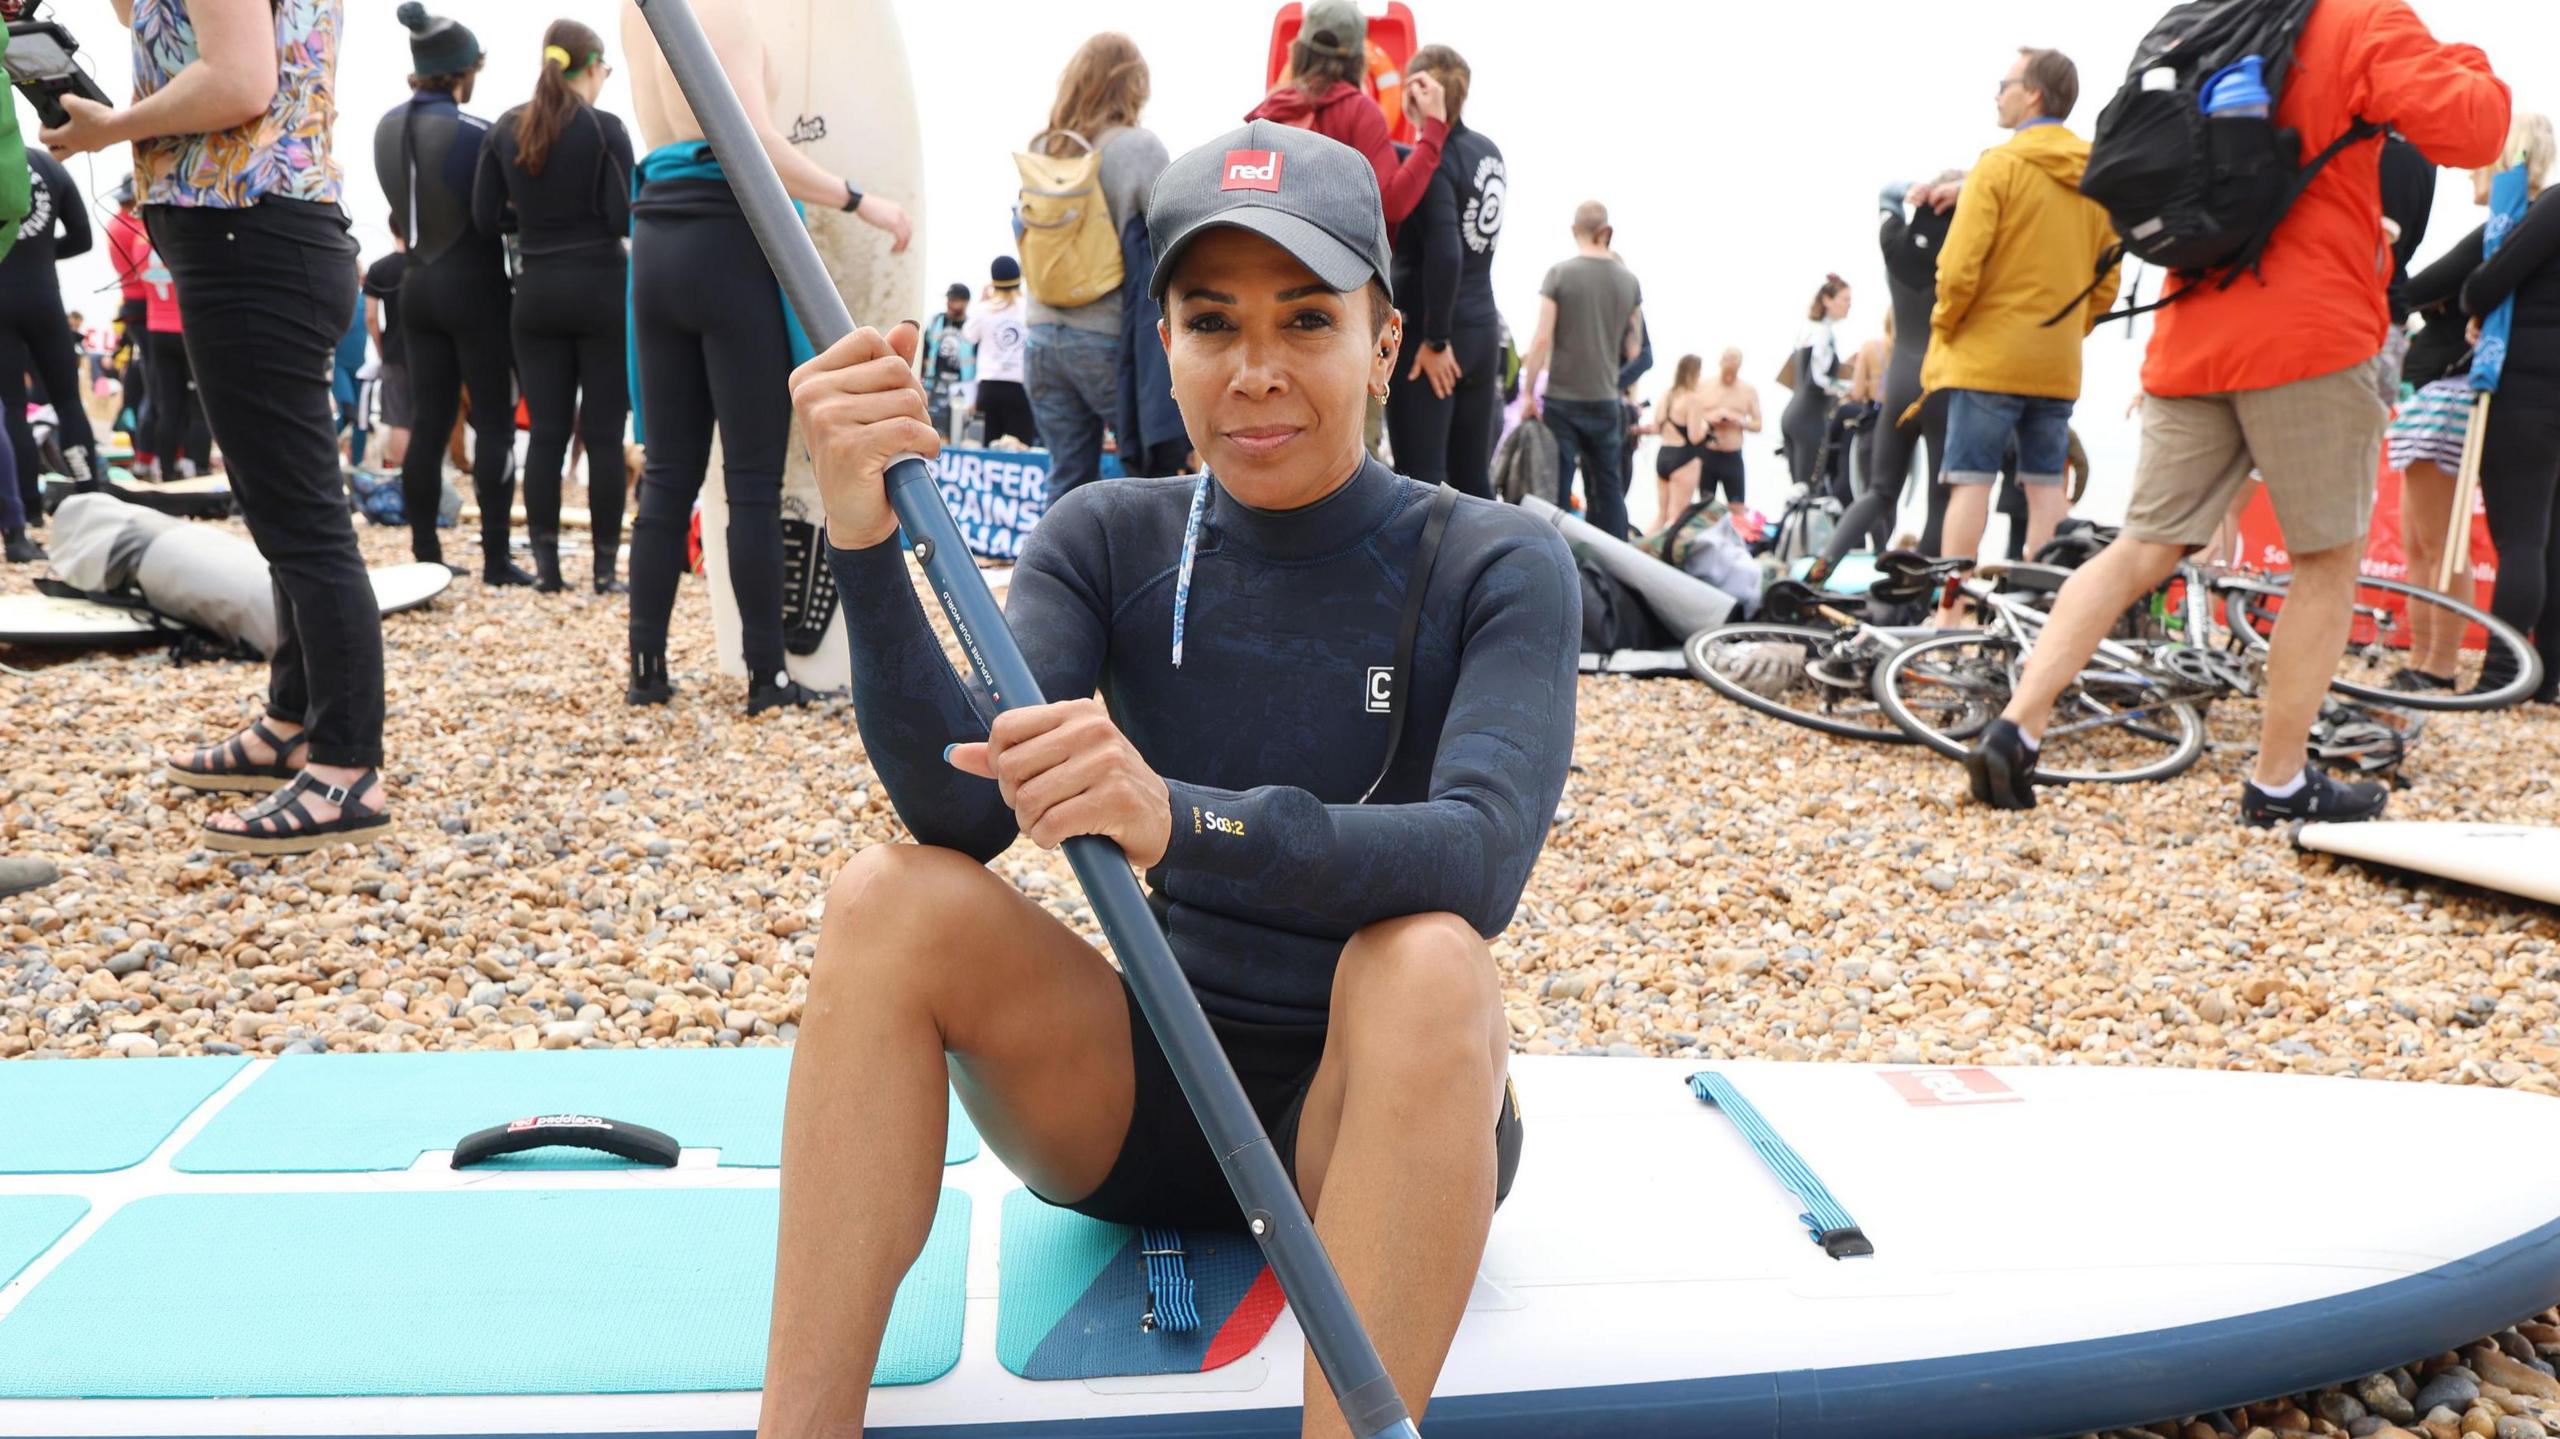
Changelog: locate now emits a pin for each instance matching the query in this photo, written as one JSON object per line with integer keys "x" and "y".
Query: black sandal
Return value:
{"x": 279, "y": 824}
{"x": 232, "y": 769}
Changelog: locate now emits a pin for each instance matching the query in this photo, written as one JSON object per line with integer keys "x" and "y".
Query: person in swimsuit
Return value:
{"x": 1336, "y": 934}
{"x": 1685, "y": 433}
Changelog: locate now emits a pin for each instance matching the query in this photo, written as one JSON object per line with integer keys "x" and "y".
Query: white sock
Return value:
{"x": 2288, "y": 789}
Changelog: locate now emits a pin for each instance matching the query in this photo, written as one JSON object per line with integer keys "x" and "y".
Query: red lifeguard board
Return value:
{"x": 2262, "y": 544}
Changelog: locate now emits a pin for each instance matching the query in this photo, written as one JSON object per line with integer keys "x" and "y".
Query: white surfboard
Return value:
{"x": 844, "y": 94}
{"x": 2519, "y": 859}
{"x": 1648, "y": 1278}
{"x": 55, "y": 621}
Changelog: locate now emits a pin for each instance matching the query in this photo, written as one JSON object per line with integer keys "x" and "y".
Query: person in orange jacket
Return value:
{"x": 2276, "y": 375}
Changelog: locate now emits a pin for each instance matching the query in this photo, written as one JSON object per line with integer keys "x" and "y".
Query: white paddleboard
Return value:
{"x": 843, "y": 93}
{"x": 60, "y": 622}
{"x": 2518, "y": 859}
{"x": 1649, "y": 1278}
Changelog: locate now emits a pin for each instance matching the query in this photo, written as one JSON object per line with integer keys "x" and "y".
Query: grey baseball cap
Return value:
{"x": 1313, "y": 197}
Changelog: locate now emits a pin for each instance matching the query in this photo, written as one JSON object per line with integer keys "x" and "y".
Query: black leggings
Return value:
{"x": 2519, "y": 475}
{"x": 453, "y": 317}
{"x": 1870, "y": 518}
{"x": 1803, "y": 421}
{"x": 176, "y": 424}
{"x": 569, "y": 333}
{"x": 713, "y": 350}
{"x": 133, "y": 317}
{"x": 35, "y": 337}
{"x": 1450, "y": 439}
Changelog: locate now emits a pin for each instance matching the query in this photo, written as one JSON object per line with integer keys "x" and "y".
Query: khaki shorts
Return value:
{"x": 2317, "y": 444}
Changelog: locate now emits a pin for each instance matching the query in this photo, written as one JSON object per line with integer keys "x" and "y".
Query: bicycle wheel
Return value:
{"x": 2388, "y": 616}
{"x": 1803, "y": 674}
{"x": 2112, "y": 726}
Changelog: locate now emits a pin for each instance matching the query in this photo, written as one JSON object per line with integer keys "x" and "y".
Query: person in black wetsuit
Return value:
{"x": 1444, "y": 408}
{"x": 2520, "y": 448}
{"x": 1819, "y": 384}
{"x": 33, "y": 336}
{"x": 454, "y": 301}
{"x": 714, "y": 344}
{"x": 1911, "y": 243}
{"x": 557, "y": 172}
{"x": 1328, "y": 891}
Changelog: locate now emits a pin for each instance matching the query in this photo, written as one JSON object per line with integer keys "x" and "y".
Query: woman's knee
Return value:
{"x": 1423, "y": 987}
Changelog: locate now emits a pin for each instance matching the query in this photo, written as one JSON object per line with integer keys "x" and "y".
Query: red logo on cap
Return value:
{"x": 1252, "y": 170}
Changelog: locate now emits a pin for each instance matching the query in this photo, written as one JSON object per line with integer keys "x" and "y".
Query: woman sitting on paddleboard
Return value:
{"x": 1328, "y": 890}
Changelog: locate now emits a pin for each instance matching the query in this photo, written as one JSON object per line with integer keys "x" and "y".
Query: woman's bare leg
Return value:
{"x": 2426, "y": 513}
{"x": 924, "y": 954}
{"x": 1396, "y": 1142}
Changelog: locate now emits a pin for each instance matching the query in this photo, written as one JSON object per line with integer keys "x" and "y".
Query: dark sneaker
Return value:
{"x": 21, "y": 550}
{"x": 2320, "y": 798}
{"x": 2410, "y": 681}
{"x": 2003, "y": 768}
{"x": 788, "y": 693}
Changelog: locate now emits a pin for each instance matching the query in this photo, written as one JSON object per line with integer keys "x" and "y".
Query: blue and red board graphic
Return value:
{"x": 1072, "y": 1301}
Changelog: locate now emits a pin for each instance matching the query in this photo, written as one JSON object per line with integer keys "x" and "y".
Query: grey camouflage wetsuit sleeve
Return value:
{"x": 1496, "y": 778}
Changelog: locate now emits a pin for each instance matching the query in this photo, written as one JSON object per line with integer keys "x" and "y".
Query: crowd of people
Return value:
{"x": 482, "y": 319}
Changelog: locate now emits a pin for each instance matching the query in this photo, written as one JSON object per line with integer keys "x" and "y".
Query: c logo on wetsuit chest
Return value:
{"x": 1382, "y": 682}
{"x": 1253, "y": 170}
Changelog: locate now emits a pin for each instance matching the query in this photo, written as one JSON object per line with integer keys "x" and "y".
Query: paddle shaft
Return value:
{"x": 1271, "y": 1204}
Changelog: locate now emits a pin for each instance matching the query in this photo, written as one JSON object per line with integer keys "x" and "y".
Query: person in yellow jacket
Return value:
{"x": 2024, "y": 242}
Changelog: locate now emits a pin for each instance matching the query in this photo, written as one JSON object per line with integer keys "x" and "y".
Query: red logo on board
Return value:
{"x": 1252, "y": 170}
{"x": 1929, "y": 1088}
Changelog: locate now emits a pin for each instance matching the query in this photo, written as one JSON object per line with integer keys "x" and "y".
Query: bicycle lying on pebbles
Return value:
{"x": 2136, "y": 713}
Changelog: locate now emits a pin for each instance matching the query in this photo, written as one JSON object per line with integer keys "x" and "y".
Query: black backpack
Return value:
{"x": 1615, "y": 617}
{"x": 2193, "y": 194}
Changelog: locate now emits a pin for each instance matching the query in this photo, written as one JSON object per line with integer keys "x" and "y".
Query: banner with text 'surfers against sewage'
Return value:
{"x": 996, "y": 495}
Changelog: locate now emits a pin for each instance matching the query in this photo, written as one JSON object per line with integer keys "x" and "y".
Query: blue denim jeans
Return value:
{"x": 1592, "y": 434}
{"x": 1981, "y": 426}
{"x": 1073, "y": 378}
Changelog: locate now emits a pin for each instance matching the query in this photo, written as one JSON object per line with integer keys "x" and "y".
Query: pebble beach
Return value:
{"x": 570, "y": 872}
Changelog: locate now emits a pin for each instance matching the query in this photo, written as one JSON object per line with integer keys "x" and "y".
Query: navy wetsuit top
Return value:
{"x": 1267, "y": 734}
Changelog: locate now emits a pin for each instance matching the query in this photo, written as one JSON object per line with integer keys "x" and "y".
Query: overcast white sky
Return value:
{"x": 1739, "y": 148}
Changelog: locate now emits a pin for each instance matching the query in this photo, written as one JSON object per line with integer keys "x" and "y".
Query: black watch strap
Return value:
{"x": 852, "y": 198}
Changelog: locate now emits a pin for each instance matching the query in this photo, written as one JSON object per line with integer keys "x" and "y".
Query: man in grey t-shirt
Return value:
{"x": 1072, "y": 368}
{"x": 1590, "y": 322}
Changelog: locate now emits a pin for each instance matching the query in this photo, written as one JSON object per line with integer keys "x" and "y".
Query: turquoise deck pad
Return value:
{"x": 619, "y": 1291}
{"x": 29, "y": 1223}
{"x": 87, "y": 1116}
{"x": 1074, "y": 1293}
{"x": 345, "y": 1113}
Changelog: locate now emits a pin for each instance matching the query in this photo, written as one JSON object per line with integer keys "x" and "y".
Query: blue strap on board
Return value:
{"x": 1833, "y": 1229}
{"x": 1170, "y": 1303}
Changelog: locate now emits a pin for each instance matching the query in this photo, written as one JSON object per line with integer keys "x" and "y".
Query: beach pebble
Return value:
{"x": 132, "y": 1046}
{"x": 2379, "y": 1394}
{"x": 2453, "y": 1389}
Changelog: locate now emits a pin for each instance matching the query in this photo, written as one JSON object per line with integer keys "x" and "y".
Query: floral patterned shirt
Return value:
{"x": 283, "y": 153}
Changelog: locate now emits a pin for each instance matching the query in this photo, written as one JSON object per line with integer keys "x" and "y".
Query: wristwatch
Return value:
{"x": 852, "y": 198}
{"x": 1437, "y": 347}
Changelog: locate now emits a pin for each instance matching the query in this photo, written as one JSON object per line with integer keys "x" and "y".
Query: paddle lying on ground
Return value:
{"x": 1271, "y": 1206}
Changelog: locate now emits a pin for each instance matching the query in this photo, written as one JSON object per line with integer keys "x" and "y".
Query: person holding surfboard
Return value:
{"x": 1328, "y": 862}
{"x": 713, "y": 344}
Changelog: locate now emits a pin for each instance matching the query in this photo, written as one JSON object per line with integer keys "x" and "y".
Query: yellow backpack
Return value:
{"x": 1070, "y": 249}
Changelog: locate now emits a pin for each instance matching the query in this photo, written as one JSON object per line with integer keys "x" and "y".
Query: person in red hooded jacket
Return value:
{"x": 1322, "y": 93}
